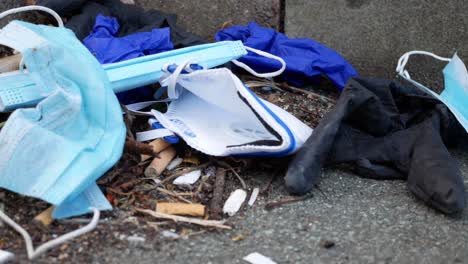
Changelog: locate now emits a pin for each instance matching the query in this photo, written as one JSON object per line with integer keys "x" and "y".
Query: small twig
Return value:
{"x": 129, "y": 201}
{"x": 200, "y": 187}
{"x": 144, "y": 163}
{"x": 229, "y": 167}
{"x": 196, "y": 233}
{"x": 273, "y": 205}
{"x": 306, "y": 110}
{"x": 173, "y": 194}
{"x": 268, "y": 185}
{"x": 128, "y": 185}
{"x": 128, "y": 120}
{"x": 216, "y": 203}
{"x": 112, "y": 190}
{"x": 196, "y": 221}
{"x": 244, "y": 186}
{"x": 135, "y": 147}
{"x": 285, "y": 87}
{"x": 293, "y": 89}
{"x": 158, "y": 223}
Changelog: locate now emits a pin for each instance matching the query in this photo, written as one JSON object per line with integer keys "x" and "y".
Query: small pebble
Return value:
{"x": 327, "y": 244}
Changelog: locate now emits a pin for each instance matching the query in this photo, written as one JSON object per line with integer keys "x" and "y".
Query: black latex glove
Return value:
{"x": 388, "y": 131}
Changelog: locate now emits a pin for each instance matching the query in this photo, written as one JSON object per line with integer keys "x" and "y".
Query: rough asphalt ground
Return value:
{"x": 369, "y": 221}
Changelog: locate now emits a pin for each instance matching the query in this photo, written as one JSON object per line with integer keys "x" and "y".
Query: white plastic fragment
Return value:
{"x": 257, "y": 258}
{"x": 174, "y": 163}
{"x": 136, "y": 239}
{"x": 253, "y": 196}
{"x": 234, "y": 202}
{"x": 157, "y": 181}
{"x": 170, "y": 234}
{"x": 6, "y": 256}
{"x": 188, "y": 179}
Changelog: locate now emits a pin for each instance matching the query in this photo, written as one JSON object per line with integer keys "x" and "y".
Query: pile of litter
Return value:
{"x": 170, "y": 153}
{"x": 156, "y": 207}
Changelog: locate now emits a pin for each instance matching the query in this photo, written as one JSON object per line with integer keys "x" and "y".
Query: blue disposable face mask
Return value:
{"x": 57, "y": 150}
{"x": 455, "y": 93}
{"x": 19, "y": 90}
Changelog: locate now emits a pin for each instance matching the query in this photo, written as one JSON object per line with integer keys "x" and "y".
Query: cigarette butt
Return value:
{"x": 181, "y": 209}
{"x": 158, "y": 145}
{"x": 10, "y": 63}
{"x": 29, "y": 2}
{"x": 159, "y": 164}
{"x": 45, "y": 217}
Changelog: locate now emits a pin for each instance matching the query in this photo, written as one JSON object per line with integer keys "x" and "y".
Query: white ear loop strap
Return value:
{"x": 33, "y": 8}
{"x": 265, "y": 54}
{"x": 172, "y": 94}
{"x": 171, "y": 88}
{"x": 27, "y": 9}
{"x": 33, "y": 253}
{"x": 400, "y": 69}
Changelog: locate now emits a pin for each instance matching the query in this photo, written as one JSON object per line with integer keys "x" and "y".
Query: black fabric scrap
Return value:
{"x": 387, "y": 130}
{"x": 81, "y": 16}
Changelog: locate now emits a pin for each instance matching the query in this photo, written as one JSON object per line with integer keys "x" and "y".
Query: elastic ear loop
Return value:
{"x": 171, "y": 88}
{"x": 172, "y": 94}
{"x": 33, "y": 8}
{"x": 265, "y": 54}
{"x": 27, "y": 9}
{"x": 400, "y": 69}
{"x": 34, "y": 253}
{"x": 168, "y": 78}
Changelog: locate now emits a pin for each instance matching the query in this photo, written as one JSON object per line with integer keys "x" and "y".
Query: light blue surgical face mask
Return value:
{"x": 19, "y": 90}
{"x": 455, "y": 93}
{"x": 57, "y": 150}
